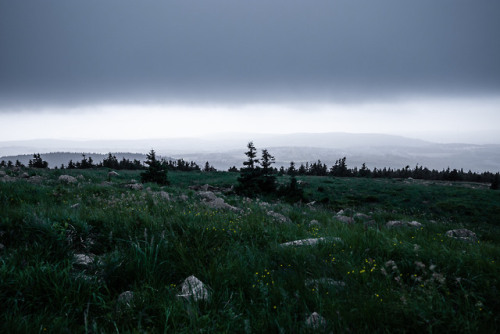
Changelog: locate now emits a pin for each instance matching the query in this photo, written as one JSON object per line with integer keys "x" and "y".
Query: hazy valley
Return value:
{"x": 226, "y": 151}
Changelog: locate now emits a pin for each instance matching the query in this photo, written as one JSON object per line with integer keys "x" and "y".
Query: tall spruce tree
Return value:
{"x": 267, "y": 179}
{"x": 247, "y": 181}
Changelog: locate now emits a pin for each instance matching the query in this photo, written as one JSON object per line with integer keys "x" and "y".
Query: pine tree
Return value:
{"x": 155, "y": 171}
{"x": 496, "y": 182}
{"x": 37, "y": 162}
{"x": 111, "y": 162}
{"x": 267, "y": 179}
{"x": 247, "y": 181}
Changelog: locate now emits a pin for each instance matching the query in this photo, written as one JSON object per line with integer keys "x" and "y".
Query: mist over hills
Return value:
{"x": 224, "y": 151}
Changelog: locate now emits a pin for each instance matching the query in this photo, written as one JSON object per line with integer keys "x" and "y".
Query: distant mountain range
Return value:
{"x": 224, "y": 151}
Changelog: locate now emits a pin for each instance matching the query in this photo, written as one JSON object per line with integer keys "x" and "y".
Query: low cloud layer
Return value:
{"x": 70, "y": 53}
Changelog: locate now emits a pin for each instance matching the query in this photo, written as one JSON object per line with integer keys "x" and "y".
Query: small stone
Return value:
{"x": 125, "y": 299}
{"x": 207, "y": 195}
{"x": 315, "y": 321}
{"x": 314, "y": 223}
{"x": 398, "y": 223}
{"x": 8, "y": 178}
{"x": 25, "y": 176}
{"x": 309, "y": 242}
{"x": 414, "y": 224}
{"x": 315, "y": 283}
{"x": 67, "y": 179}
{"x": 361, "y": 216}
{"x": 74, "y": 206}
{"x": 219, "y": 203}
{"x": 83, "y": 259}
{"x": 192, "y": 287}
{"x": 462, "y": 235}
{"x": 135, "y": 186}
{"x": 278, "y": 216}
{"x": 164, "y": 195}
{"x": 345, "y": 219}
{"x": 183, "y": 197}
{"x": 113, "y": 173}
{"x": 394, "y": 223}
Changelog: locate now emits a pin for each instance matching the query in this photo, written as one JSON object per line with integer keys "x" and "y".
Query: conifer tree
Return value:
{"x": 247, "y": 182}
{"x": 37, "y": 162}
{"x": 155, "y": 171}
{"x": 496, "y": 182}
{"x": 267, "y": 179}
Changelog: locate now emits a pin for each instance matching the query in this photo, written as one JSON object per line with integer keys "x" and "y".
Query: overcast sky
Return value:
{"x": 147, "y": 69}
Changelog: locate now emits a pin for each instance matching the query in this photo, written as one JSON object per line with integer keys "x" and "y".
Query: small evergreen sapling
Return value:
{"x": 155, "y": 171}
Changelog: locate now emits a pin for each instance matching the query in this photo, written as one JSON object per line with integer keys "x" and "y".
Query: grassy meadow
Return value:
{"x": 361, "y": 277}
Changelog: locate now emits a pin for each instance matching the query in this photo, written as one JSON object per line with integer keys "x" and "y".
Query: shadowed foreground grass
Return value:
{"x": 372, "y": 279}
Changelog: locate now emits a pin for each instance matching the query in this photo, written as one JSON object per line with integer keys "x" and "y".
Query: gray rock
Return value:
{"x": 219, "y": 203}
{"x": 67, "y": 179}
{"x": 25, "y": 176}
{"x": 74, "y": 206}
{"x": 315, "y": 283}
{"x": 8, "y": 178}
{"x": 314, "y": 223}
{"x": 310, "y": 205}
{"x": 164, "y": 195}
{"x": 83, "y": 259}
{"x": 113, "y": 173}
{"x": 207, "y": 195}
{"x": 398, "y": 223}
{"x": 462, "y": 235}
{"x": 414, "y": 224}
{"x": 278, "y": 217}
{"x": 362, "y": 216}
{"x": 192, "y": 287}
{"x": 125, "y": 299}
{"x": 36, "y": 179}
{"x": 345, "y": 219}
{"x": 395, "y": 223}
{"x": 315, "y": 321}
{"x": 2, "y": 173}
{"x": 303, "y": 242}
{"x": 308, "y": 242}
{"x": 183, "y": 197}
{"x": 135, "y": 186}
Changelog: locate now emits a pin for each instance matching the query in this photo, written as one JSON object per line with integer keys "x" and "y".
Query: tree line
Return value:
{"x": 340, "y": 169}
{"x": 112, "y": 162}
{"x": 258, "y": 175}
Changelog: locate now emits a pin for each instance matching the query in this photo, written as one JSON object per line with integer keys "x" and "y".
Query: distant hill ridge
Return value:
{"x": 226, "y": 150}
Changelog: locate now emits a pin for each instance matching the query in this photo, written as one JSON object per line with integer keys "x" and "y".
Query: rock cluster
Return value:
{"x": 67, "y": 179}
{"x": 214, "y": 202}
{"x": 462, "y": 235}
{"x": 278, "y": 217}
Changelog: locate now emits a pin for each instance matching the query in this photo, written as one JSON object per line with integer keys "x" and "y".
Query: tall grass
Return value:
{"x": 360, "y": 278}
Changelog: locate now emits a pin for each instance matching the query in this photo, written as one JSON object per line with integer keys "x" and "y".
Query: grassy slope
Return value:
{"x": 149, "y": 246}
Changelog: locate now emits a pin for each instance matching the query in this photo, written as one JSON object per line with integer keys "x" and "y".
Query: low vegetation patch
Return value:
{"x": 85, "y": 251}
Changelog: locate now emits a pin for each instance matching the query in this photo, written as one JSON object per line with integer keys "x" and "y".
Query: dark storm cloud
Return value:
{"x": 81, "y": 52}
